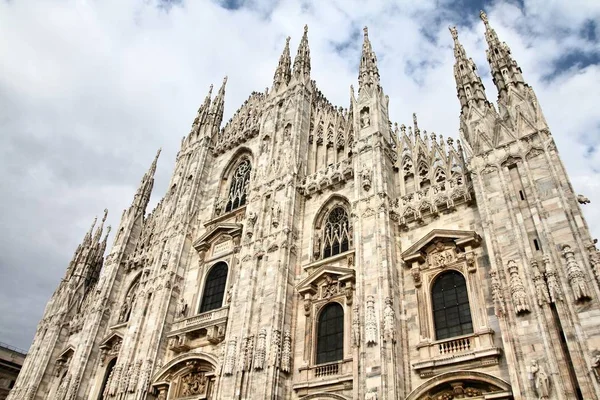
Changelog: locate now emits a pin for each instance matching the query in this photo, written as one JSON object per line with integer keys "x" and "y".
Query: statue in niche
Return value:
{"x": 365, "y": 119}
{"x": 541, "y": 381}
{"x": 287, "y": 133}
{"x": 125, "y": 310}
{"x": 275, "y": 214}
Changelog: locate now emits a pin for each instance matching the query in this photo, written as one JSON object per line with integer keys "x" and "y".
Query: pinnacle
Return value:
{"x": 283, "y": 72}
{"x": 368, "y": 72}
{"x": 302, "y": 60}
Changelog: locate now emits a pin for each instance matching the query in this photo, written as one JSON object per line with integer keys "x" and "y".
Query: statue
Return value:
{"x": 181, "y": 308}
{"x": 125, "y": 310}
{"x": 365, "y": 120}
{"x": 541, "y": 381}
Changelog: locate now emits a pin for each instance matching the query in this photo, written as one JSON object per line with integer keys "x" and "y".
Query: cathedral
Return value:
{"x": 310, "y": 251}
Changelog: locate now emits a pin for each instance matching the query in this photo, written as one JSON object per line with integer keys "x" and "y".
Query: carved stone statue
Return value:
{"x": 181, "y": 308}
{"x": 541, "y": 381}
{"x": 365, "y": 119}
{"x": 575, "y": 275}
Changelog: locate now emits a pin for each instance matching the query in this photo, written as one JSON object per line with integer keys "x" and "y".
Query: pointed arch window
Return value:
{"x": 238, "y": 188}
{"x": 214, "y": 288}
{"x": 336, "y": 238}
{"x": 330, "y": 334}
{"x": 451, "y": 309}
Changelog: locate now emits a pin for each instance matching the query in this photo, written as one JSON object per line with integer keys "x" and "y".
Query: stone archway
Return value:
{"x": 462, "y": 384}
{"x": 185, "y": 376}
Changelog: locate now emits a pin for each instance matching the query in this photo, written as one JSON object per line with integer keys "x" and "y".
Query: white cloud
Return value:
{"x": 89, "y": 90}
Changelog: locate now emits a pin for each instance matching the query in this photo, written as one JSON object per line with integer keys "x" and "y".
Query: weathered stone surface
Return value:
{"x": 438, "y": 268}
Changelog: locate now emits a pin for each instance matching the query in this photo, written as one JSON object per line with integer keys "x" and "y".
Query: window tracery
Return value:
{"x": 238, "y": 188}
{"x": 336, "y": 236}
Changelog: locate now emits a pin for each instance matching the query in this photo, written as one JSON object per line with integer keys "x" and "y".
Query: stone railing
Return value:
{"x": 327, "y": 369}
{"x": 338, "y": 371}
{"x": 467, "y": 351}
{"x": 201, "y": 320}
{"x": 453, "y": 346}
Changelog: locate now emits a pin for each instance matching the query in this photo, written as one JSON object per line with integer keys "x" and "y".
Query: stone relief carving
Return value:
{"x": 541, "y": 290}
{"x": 551, "y": 280}
{"x": 370, "y": 322}
{"x": 594, "y": 257}
{"x": 356, "y": 326}
{"x": 541, "y": 381}
{"x": 389, "y": 324}
{"x": 133, "y": 379}
{"x": 230, "y": 356}
{"x": 325, "y": 178}
{"x": 246, "y": 353}
{"x": 275, "y": 347}
{"x": 261, "y": 349}
{"x": 286, "y": 352}
{"x": 497, "y": 294}
{"x": 575, "y": 275}
{"x": 517, "y": 289}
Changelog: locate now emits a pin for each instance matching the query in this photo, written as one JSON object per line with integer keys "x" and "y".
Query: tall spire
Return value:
{"x": 505, "y": 71}
{"x": 142, "y": 196}
{"x": 302, "y": 60}
{"x": 218, "y": 105}
{"x": 100, "y": 228}
{"x": 283, "y": 73}
{"x": 468, "y": 84}
{"x": 368, "y": 75}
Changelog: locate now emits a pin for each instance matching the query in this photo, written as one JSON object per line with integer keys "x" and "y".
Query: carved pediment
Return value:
{"x": 67, "y": 353}
{"x": 427, "y": 244}
{"x": 216, "y": 233}
{"x": 325, "y": 275}
{"x": 111, "y": 339}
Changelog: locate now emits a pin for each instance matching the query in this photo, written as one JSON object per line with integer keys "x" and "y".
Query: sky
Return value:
{"x": 89, "y": 90}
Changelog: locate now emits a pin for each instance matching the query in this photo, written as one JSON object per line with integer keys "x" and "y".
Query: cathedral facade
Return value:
{"x": 308, "y": 251}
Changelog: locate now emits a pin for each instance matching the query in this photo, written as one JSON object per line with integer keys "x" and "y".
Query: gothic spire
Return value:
{"x": 368, "y": 75}
{"x": 504, "y": 69}
{"x": 302, "y": 60}
{"x": 468, "y": 84}
{"x": 142, "y": 196}
{"x": 218, "y": 105}
{"x": 100, "y": 228}
{"x": 283, "y": 72}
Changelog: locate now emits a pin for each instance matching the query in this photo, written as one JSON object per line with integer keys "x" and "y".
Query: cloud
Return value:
{"x": 90, "y": 90}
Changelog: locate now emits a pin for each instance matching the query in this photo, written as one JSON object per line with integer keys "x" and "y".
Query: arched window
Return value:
{"x": 238, "y": 188}
{"x": 214, "y": 288}
{"x": 330, "y": 334}
{"x": 336, "y": 237}
{"x": 451, "y": 311}
{"x": 107, "y": 375}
